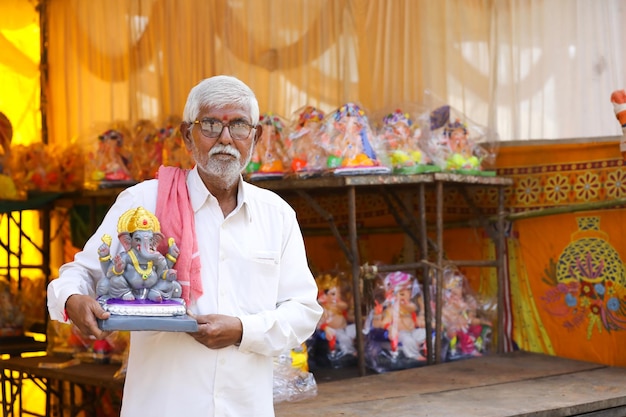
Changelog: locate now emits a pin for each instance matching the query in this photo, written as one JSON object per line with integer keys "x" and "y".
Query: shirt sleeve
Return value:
{"x": 297, "y": 310}
{"x": 82, "y": 274}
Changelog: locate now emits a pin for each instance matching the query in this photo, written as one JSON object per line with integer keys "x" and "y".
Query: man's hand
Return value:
{"x": 216, "y": 331}
{"x": 83, "y": 311}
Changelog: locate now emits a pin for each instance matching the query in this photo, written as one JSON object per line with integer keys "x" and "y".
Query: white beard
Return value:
{"x": 227, "y": 170}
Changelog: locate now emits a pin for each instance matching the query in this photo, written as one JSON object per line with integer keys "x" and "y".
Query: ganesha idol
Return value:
{"x": 401, "y": 136}
{"x": 306, "y": 153}
{"x": 396, "y": 326}
{"x": 139, "y": 287}
{"x": 349, "y": 142}
{"x": 270, "y": 157}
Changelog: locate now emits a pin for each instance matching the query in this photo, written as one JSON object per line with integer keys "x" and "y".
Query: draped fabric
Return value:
{"x": 529, "y": 70}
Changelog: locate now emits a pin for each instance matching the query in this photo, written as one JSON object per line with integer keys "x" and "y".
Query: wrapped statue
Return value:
{"x": 467, "y": 328}
{"x": 396, "y": 327}
{"x": 401, "y": 136}
{"x": 459, "y": 145}
{"x": 270, "y": 157}
{"x": 350, "y": 143}
{"x": 304, "y": 147}
{"x": 140, "y": 282}
{"x": 332, "y": 344}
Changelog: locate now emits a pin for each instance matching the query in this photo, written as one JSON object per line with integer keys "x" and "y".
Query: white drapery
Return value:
{"x": 535, "y": 69}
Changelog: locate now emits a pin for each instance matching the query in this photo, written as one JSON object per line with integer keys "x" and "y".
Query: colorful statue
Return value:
{"x": 270, "y": 157}
{"x": 457, "y": 146}
{"x": 348, "y": 140}
{"x": 334, "y": 322}
{"x": 175, "y": 153}
{"x": 460, "y": 156}
{"x": 110, "y": 162}
{"x": 147, "y": 147}
{"x": 140, "y": 272}
{"x": 396, "y": 326}
{"x": 401, "y": 137}
{"x": 306, "y": 153}
{"x": 466, "y": 330}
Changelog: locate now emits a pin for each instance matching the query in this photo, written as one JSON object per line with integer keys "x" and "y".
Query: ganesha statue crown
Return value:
{"x": 138, "y": 219}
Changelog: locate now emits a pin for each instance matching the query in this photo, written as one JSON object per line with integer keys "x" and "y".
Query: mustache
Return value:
{"x": 220, "y": 148}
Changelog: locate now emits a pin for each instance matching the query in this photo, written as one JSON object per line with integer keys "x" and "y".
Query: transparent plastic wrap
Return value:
{"x": 395, "y": 328}
{"x": 147, "y": 150}
{"x": 270, "y": 158}
{"x": 467, "y": 320}
{"x": 292, "y": 382}
{"x": 34, "y": 168}
{"x": 108, "y": 157}
{"x": 11, "y": 314}
{"x": 332, "y": 345}
{"x": 67, "y": 340}
{"x": 455, "y": 143}
{"x": 308, "y": 157}
{"x": 175, "y": 152}
{"x": 350, "y": 143}
{"x": 71, "y": 165}
{"x": 400, "y": 133}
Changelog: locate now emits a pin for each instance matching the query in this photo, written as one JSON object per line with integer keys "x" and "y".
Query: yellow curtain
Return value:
{"x": 19, "y": 69}
{"x": 139, "y": 59}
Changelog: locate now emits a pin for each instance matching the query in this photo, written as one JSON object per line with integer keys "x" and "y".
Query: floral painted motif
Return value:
{"x": 588, "y": 282}
{"x": 557, "y": 189}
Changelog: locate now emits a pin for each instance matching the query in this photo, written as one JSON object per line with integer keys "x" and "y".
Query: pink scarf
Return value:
{"x": 176, "y": 216}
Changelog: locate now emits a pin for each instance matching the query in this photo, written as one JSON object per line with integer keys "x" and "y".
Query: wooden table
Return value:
{"x": 414, "y": 224}
{"x": 502, "y": 385}
{"x": 63, "y": 386}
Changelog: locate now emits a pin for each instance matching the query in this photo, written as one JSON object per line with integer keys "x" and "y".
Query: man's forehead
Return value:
{"x": 225, "y": 113}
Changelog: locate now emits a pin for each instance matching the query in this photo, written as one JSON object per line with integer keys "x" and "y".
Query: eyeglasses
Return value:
{"x": 212, "y": 128}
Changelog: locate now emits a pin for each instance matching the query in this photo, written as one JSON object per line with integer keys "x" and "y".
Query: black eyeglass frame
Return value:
{"x": 213, "y": 135}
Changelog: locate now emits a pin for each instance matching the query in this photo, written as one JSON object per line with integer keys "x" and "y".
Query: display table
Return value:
{"x": 74, "y": 388}
{"x": 414, "y": 224}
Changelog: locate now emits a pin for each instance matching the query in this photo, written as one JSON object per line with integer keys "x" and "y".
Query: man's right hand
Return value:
{"x": 83, "y": 310}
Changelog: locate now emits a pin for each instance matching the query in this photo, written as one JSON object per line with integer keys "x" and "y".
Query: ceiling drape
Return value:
{"x": 537, "y": 69}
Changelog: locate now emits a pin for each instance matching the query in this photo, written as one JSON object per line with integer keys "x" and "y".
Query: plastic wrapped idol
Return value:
{"x": 456, "y": 144}
{"x": 395, "y": 328}
{"x": 175, "y": 152}
{"x": 350, "y": 143}
{"x": 147, "y": 150}
{"x": 34, "y": 168}
{"x": 109, "y": 164}
{"x": 401, "y": 137}
{"x": 467, "y": 328}
{"x": 332, "y": 344}
{"x": 270, "y": 158}
{"x": 308, "y": 157}
{"x": 292, "y": 379}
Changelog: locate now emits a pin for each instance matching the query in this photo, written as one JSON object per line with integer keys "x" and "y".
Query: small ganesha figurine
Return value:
{"x": 270, "y": 156}
{"x": 347, "y": 137}
{"x": 140, "y": 272}
{"x": 402, "y": 137}
{"x": 304, "y": 148}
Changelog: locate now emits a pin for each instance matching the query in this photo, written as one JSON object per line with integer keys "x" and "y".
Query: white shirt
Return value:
{"x": 254, "y": 267}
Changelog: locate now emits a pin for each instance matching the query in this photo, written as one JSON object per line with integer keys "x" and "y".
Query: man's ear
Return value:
{"x": 257, "y": 134}
{"x": 185, "y": 131}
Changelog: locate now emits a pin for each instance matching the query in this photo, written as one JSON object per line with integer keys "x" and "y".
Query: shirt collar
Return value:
{"x": 199, "y": 194}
